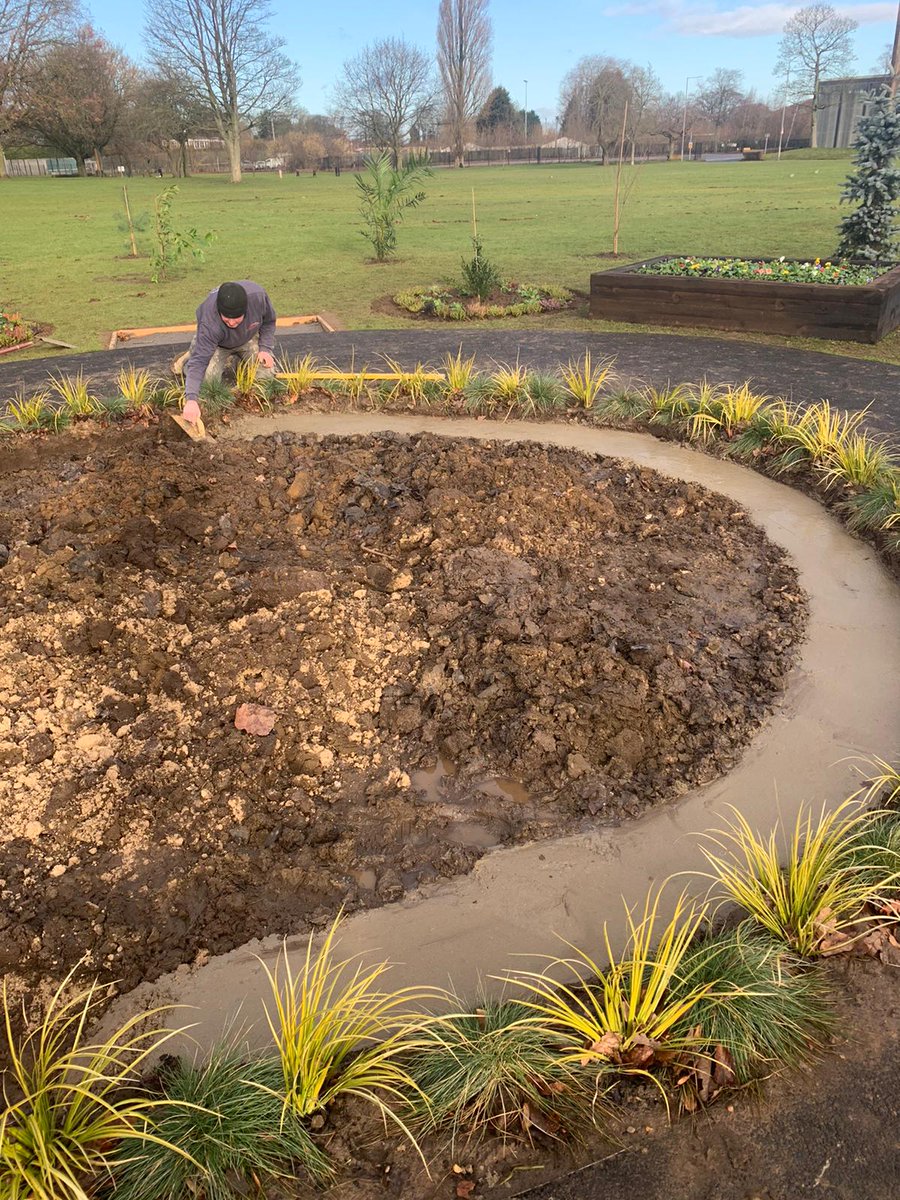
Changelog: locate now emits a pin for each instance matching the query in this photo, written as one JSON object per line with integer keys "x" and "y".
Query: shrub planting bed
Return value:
{"x": 668, "y": 290}
{"x": 388, "y": 603}
{"x": 448, "y": 303}
{"x": 218, "y": 685}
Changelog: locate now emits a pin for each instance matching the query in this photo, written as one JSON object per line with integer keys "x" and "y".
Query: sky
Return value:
{"x": 535, "y": 44}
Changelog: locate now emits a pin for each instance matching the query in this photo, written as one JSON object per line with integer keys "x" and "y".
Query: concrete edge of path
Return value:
{"x": 842, "y": 703}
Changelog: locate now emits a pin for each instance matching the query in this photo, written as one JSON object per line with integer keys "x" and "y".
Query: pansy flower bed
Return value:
{"x": 817, "y": 298}
{"x": 778, "y": 270}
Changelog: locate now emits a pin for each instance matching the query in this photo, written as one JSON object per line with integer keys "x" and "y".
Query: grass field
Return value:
{"x": 63, "y": 257}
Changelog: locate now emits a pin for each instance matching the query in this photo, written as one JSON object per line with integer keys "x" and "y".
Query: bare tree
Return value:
{"x": 384, "y": 92}
{"x": 816, "y": 42}
{"x": 593, "y": 96}
{"x": 74, "y": 94}
{"x": 27, "y": 28}
{"x": 719, "y": 97}
{"x": 667, "y": 117}
{"x": 223, "y": 49}
{"x": 464, "y": 61}
{"x": 645, "y": 91}
{"x": 167, "y": 114}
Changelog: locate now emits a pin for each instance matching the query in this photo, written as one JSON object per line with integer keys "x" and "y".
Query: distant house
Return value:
{"x": 841, "y": 103}
{"x": 566, "y": 143}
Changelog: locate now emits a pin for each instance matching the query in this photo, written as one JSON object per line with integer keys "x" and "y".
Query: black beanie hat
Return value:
{"x": 231, "y": 300}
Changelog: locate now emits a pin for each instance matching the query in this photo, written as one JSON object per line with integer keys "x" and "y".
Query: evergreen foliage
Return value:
{"x": 868, "y": 233}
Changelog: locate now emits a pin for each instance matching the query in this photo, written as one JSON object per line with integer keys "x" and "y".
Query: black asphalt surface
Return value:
{"x": 800, "y": 375}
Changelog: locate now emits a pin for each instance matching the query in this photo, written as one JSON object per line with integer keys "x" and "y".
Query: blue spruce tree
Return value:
{"x": 868, "y": 234}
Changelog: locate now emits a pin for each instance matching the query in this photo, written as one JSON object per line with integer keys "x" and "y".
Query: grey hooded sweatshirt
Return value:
{"x": 212, "y": 332}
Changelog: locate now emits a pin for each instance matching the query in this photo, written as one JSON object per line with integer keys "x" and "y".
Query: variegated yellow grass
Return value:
{"x": 137, "y": 389}
{"x": 460, "y": 372}
{"x": 338, "y": 1033}
{"x": 75, "y": 394}
{"x": 27, "y": 413}
{"x": 860, "y": 461}
{"x": 725, "y": 411}
{"x": 69, "y": 1103}
{"x": 247, "y": 384}
{"x": 801, "y": 893}
{"x": 507, "y": 383}
{"x": 413, "y": 385}
{"x": 298, "y": 376}
{"x": 632, "y": 1008}
{"x": 666, "y": 404}
{"x": 814, "y": 433}
{"x": 585, "y": 380}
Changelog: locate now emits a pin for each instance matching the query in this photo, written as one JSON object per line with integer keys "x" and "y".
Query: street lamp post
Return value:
{"x": 525, "y": 81}
{"x": 684, "y": 113}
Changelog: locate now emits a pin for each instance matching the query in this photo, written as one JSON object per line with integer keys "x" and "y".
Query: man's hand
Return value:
{"x": 266, "y": 359}
{"x": 191, "y": 411}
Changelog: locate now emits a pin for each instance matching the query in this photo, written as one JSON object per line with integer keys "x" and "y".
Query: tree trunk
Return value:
{"x": 233, "y": 146}
{"x": 2, "y": 163}
{"x": 813, "y": 124}
{"x": 79, "y": 162}
{"x": 185, "y": 165}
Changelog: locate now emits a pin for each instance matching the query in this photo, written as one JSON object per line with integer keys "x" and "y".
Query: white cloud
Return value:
{"x": 745, "y": 20}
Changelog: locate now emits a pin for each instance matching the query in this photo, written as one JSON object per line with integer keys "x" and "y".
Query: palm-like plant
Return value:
{"x": 386, "y": 192}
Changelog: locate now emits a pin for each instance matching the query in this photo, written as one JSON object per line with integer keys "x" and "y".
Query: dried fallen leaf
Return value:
{"x": 607, "y": 1046}
{"x": 723, "y": 1071}
{"x": 255, "y": 718}
{"x": 465, "y": 1187}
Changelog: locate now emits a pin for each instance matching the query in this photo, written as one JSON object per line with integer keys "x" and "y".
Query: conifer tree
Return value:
{"x": 868, "y": 233}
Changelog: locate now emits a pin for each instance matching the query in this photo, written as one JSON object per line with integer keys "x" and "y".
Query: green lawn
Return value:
{"x": 64, "y": 258}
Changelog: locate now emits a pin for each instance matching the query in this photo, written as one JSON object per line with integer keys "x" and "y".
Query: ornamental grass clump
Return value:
{"x": 75, "y": 394}
{"x": 544, "y": 395}
{"x": 496, "y": 1070}
{"x": 71, "y": 1107}
{"x": 338, "y": 1033}
{"x": 808, "y": 894}
{"x": 632, "y": 1013}
{"x": 30, "y": 414}
{"x": 460, "y": 372}
{"x": 815, "y": 433}
{"x": 136, "y": 388}
{"x": 725, "y": 411}
{"x": 860, "y": 462}
{"x": 223, "y": 1130}
{"x": 298, "y": 376}
{"x": 585, "y": 380}
{"x": 761, "y": 1007}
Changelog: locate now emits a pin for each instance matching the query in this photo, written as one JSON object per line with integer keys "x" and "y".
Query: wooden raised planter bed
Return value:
{"x": 861, "y": 313}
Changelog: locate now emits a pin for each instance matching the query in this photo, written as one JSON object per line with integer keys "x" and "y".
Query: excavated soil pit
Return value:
{"x": 464, "y": 645}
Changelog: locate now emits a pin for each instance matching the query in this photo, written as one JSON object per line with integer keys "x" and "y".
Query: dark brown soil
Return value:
{"x": 572, "y": 640}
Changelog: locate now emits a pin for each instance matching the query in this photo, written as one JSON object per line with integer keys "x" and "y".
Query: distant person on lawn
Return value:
{"x": 237, "y": 319}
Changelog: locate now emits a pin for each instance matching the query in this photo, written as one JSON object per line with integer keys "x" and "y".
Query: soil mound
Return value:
{"x": 457, "y": 645}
